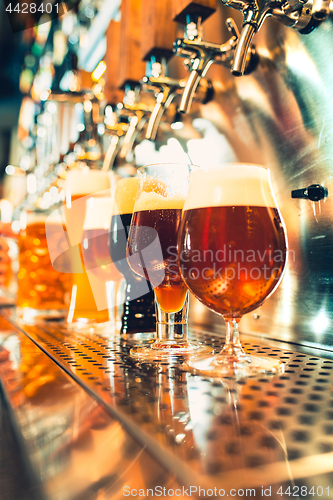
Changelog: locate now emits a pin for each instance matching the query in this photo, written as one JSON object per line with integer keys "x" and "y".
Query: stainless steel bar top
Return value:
{"x": 92, "y": 424}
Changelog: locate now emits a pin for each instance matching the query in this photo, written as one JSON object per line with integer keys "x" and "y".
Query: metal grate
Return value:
{"x": 219, "y": 428}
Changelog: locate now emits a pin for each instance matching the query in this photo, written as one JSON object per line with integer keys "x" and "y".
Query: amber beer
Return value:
{"x": 80, "y": 185}
{"x": 40, "y": 286}
{"x": 231, "y": 253}
{"x": 158, "y": 216}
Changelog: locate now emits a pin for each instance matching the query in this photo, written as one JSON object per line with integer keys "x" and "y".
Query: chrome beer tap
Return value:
{"x": 137, "y": 113}
{"x": 201, "y": 55}
{"x": 303, "y": 15}
{"x": 166, "y": 89}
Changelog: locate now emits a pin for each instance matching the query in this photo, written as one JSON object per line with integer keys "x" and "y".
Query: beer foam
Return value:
{"x": 125, "y": 195}
{"x": 87, "y": 181}
{"x": 98, "y": 213}
{"x": 235, "y": 184}
{"x": 155, "y": 201}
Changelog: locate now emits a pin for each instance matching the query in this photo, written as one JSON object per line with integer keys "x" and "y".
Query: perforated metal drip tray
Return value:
{"x": 271, "y": 431}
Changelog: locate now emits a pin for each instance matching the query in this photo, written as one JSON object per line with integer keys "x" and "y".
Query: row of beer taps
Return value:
{"x": 238, "y": 54}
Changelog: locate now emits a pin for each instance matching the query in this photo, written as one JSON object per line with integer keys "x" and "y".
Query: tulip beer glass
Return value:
{"x": 152, "y": 253}
{"x": 232, "y": 252}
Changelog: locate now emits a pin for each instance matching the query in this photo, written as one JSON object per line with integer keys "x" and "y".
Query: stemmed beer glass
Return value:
{"x": 232, "y": 252}
{"x": 152, "y": 254}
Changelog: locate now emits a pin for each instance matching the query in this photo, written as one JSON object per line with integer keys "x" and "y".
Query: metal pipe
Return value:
{"x": 244, "y": 41}
{"x": 191, "y": 86}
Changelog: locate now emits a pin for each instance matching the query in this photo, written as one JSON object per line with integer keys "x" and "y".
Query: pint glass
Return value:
{"x": 80, "y": 185}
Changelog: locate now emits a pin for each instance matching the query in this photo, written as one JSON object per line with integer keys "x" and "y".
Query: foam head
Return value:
{"x": 235, "y": 184}
{"x": 155, "y": 201}
{"x": 99, "y": 213}
{"x": 125, "y": 195}
{"x": 86, "y": 181}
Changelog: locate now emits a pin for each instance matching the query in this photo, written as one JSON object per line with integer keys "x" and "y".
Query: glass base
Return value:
{"x": 91, "y": 326}
{"x": 138, "y": 338}
{"x": 236, "y": 368}
{"x": 167, "y": 349}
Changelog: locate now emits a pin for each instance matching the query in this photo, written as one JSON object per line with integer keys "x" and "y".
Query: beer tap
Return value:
{"x": 137, "y": 113}
{"x": 116, "y": 126}
{"x": 158, "y": 34}
{"x": 166, "y": 89}
{"x": 201, "y": 55}
{"x": 303, "y": 15}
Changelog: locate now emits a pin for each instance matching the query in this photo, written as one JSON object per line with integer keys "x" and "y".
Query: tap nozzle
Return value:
{"x": 163, "y": 101}
{"x": 321, "y": 9}
{"x": 242, "y": 50}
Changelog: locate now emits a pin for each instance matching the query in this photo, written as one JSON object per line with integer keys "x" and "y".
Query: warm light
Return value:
{"x": 16, "y": 226}
{"x": 320, "y": 322}
{"x": 25, "y": 162}
{"x": 98, "y": 71}
{"x": 87, "y": 106}
{"x": 6, "y": 209}
{"x": 10, "y": 170}
{"x": 31, "y": 183}
{"x": 177, "y": 125}
{"x": 44, "y": 95}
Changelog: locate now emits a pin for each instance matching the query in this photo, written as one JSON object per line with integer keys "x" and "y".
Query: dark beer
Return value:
{"x": 139, "y": 309}
{"x": 159, "y": 267}
{"x": 232, "y": 257}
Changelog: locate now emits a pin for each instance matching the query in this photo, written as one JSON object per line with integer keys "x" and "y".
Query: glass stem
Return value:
{"x": 232, "y": 348}
{"x": 171, "y": 328}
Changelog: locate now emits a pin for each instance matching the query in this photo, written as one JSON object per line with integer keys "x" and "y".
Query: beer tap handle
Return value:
{"x": 136, "y": 124}
{"x": 199, "y": 69}
{"x": 111, "y": 153}
{"x": 163, "y": 100}
{"x": 303, "y": 15}
{"x": 204, "y": 54}
{"x": 232, "y": 27}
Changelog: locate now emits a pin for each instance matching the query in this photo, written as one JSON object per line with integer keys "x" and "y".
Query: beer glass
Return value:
{"x": 152, "y": 253}
{"x": 103, "y": 276}
{"x": 80, "y": 185}
{"x": 42, "y": 290}
{"x": 232, "y": 253}
{"x": 138, "y": 316}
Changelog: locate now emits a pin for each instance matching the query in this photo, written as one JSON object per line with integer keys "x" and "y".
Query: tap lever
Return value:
{"x": 232, "y": 27}
{"x": 315, "y": 192}
{"x": 303, "y": 15}
{"x": 204, "y": 54}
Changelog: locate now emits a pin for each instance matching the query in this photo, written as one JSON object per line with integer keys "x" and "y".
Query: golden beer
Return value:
{"x": 40, "y": 286}
{"x": 80, "y": 185}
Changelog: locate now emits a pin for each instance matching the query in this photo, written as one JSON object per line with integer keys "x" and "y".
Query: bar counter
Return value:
{"x": 89, "y": 423}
